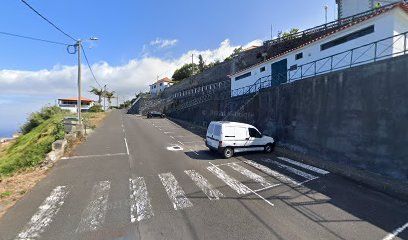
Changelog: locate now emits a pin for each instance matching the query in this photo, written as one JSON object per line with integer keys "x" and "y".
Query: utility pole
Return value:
{"x": 192, "y": 64}
{"x": 79, "y": 48}
{"x": 271, "y": 32}
{"x": 117, "y": 101}
{"x": 325, "y": 12}
{"x": 104, "y": 97}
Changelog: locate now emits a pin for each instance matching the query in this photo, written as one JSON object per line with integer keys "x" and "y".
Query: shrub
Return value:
{"x": 95, "y": 108}
{"x": 35, "y": 119}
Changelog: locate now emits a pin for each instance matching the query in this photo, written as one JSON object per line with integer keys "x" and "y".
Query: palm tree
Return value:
{"x": 109, "y": 96}
{"x": 98, "y": 93}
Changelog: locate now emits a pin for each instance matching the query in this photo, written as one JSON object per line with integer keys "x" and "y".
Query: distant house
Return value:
{"x": 71, "y": 104}
{"x": 160, "y": 85}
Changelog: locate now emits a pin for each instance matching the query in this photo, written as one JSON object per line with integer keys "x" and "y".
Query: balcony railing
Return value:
{"x": 394, "y": 46}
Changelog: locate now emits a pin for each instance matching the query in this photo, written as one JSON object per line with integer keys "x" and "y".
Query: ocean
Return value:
{"x": 7, "y": 132}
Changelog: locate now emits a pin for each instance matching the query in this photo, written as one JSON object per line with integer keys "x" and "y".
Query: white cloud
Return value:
{"x": 128, "y": 79}
{"x": 163, "y": 43}
{"x": 22, "y": 92}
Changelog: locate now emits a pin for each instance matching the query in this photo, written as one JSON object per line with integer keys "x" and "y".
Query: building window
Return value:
{"x": 262, "y": 69}
{"x": 299, "y": 56}
{"x": 357, "y": 34}
{"x": 243, "y": 76}
{"x": 161, "y": 84}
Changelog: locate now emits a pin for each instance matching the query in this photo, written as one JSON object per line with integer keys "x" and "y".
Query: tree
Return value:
{"x": 184, "y": 72}
{"x": 235, "y": 52}
{"x": 98, "y": 93}
{"x": 201, "y": 64}
{"x": 288, "y": 35}
{"x": 213, "y": 64}
{"x": 109, "y": 96}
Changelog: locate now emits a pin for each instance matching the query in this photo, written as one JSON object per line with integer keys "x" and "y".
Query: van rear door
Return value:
{"x": 213, "y": 135}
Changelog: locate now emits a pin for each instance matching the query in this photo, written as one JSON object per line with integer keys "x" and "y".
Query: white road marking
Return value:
{"x": 231, "y": 182}
{"x": 211, "y": 192}
{"x": 291, "y": 169}
{"x": 305, "y": 166}
{"x": 127, "y": 148}
{"x": 396, "y": 232}
{"x": 93, "y": 156}
{"x": 174, "y": 191}
{"x": 271, "y": 172}
{"x": 168, "y": 132}
{"x": 249, "y": 174}
{"x": 221, "y": 172}
{"x": 174, "y": 148}
{"x": 94, "y": 214}
{"x": 194, "y": 142}
{"x": 45, "y": 214}
{"x": 140, "y": 207}
{"x": 195, "y": 152}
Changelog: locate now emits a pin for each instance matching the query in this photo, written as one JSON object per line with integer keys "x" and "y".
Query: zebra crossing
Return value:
{"x": 139, "y": 203}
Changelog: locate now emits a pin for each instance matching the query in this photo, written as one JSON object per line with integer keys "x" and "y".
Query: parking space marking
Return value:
{"x": 245, "y": 189}
{"x": 305, "y": 166}
{"x": 291, "y": 169}
{"x": 271, "y": 172}
{"x": 396, "y": 232}
{"x": 249, "y": 174}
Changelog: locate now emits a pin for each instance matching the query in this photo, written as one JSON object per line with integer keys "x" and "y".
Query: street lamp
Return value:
{"x": 78, "y": 46}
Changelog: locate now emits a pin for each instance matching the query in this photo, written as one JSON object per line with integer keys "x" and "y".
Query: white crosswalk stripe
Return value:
{"x": 94, "y": 214}
{"x": 211, "y": 192}
{"x": 140, "y": 207}
{"x": 174, "y": 191}
{"x": 45, "y": 214}
{"x": 271, "y": 172}
{"x": 291, "y": 169}
{"x": 231, "y": 182}
{"x": 249, "y": 174}
{"x": 305, "y": 166}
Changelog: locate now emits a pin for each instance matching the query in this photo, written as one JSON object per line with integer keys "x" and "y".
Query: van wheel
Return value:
{"x": 228, "y": 152}
{"x": 269, "y": 147}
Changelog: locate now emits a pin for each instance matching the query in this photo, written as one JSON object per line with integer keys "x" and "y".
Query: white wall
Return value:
{"x": 353, "y": 7}
{"x": 385, "y": 26}
{"x": 159, "y": 88}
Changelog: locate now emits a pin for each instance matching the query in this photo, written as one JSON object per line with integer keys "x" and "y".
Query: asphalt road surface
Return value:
{"x": 138, "y": 178}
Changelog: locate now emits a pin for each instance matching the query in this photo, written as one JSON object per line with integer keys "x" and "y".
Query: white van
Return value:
{"x": 230, "y": 137}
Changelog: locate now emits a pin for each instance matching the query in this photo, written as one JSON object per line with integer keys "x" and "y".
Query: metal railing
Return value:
{"x": 200, "y": 90}
{"x": 331, "y": 25}
{"x": 394, "y": 46}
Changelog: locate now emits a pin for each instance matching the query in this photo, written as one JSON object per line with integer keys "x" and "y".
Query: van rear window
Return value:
{"x": 217, "y": 130}
{"x": 210, "y": 129}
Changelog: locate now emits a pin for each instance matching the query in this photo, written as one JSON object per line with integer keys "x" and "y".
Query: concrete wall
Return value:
{"x": 356, "y": 117}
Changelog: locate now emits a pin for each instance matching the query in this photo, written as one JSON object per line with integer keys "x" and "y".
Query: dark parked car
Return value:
{"x": 155, "y": 114}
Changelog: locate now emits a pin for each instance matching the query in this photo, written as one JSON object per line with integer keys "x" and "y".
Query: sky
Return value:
{"x": 138, "y": 41}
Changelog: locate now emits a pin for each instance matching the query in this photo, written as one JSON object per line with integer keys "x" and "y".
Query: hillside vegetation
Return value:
{"x": 30, "y": 149}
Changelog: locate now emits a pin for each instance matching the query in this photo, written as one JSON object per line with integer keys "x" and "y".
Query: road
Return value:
{"x": 138, "y": 178}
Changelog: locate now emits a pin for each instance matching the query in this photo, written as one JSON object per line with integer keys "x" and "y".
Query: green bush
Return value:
{"x": 30, "y": 149}
{"x": 95, "y": 108}
{"x": 37, "y": 118}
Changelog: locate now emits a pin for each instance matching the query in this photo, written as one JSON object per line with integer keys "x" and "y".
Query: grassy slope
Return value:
{"x": 30, "y": 149}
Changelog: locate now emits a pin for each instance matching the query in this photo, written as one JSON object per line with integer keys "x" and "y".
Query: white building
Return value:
{"x": 347, "y": 8}
{"x": 160, "y": 85}
{"x": 378, "y": 36}
{"x": 71, "y": 104}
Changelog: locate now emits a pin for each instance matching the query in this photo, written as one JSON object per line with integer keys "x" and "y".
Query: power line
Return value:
{"x": 39, "y": 14}
{"x": 90, "y": 68}
{"x": 33, "y": 38}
